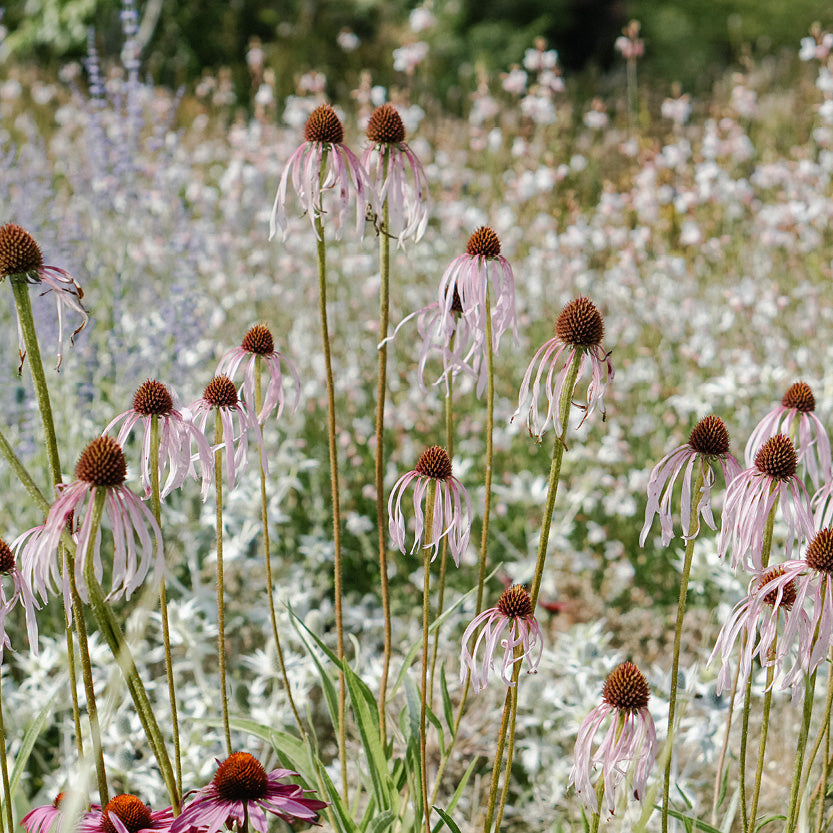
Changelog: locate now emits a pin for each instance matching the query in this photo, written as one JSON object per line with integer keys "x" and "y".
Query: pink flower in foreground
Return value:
{"x": 450, "y": 518}
{"x": 101, "y": 466}
{"x": 242, "y": 791}
{"x": 20, "y": 256}
{"x": 579, "y": 330}
{"x": 176, "y": 433}
{"x": 125, "y": 814}
{"x": 323, "y": 163}
{"x": 408, "y": 204}
{"x": 258, "y": 342}
{"x": 512, "y": 625}
{"x": 42, "y": 819}
{"x": 630, "y": 741}
{"x": 750, "y": 498}
{"x": 708, "y": 444}
{"x": 757, "y": 629}
{"x": 812, "y": 443}
{"x": 21, "y": 592}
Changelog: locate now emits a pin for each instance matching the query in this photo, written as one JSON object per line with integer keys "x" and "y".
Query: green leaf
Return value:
{"x": 452, "y": 825}
{"x": 341, "y": 812}
{"x": 690, "y": 822}
{"x": 326, "y": 681}
{"x": 381, "y": 822}
{"x": 461, "y": 786}
{"x": 768, "y": 820}
{"x": 448, "y": 710}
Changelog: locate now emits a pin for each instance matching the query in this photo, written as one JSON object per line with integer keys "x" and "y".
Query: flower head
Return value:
{"x": 243, "y": 789}
{"x": 101, "y": 466}
{"x": 812, "y": 445}
{"x": 450, "y": 517}
{"x": 513, "y": 617}
{"x": 750, "y": 498}
{"x": 323, "y": 163}
{"x": 707, "y": 445}
{"x": 126, "y": 814}
{"x": 176, "y": 434}
{"x": 407, "y": 204}
{"x": 21, "y": 592}
{"x": 42, "y": 819}
{"x": 579, "y": 330}
{"x": 630, "y": 741}
{"x": 20, "y": 257}
{"x": 258, "y": 343}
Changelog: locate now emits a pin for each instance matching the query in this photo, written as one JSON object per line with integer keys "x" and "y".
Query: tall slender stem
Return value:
{"x": 490, "y": 430}
{"x": 801, "y": 745}
{"x": 555, "y": 473}
{"x": 759, "y": 770}
{"x": 510, "y": 750}
{"x": 426, "y": 581}
{"x": 4, "y": 766}
{"x": 221, "y": 613}
{"x": 156, "y": 502}
{"x": 822, "y": 735}
{"x": 381, "y": 390}
{"x": 725, "y": 747}
{"x": 264, "y": 517}
{"x": 678, "y": 634}
{"x": 73, "y": 679}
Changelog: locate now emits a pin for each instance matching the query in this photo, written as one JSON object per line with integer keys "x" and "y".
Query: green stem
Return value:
{"x": 825, "y": 773}
{"x": 426, "y": 580}
{"x": 490, "y": 430}
{"x": 23, "y": 475}
{"x": 725, "y": 747}
{"x": 264, "y": 517}
{"x": 801, "y": 745}
{"x": 331, "y": 437}
{"x": 381, "y": 390}
{"x": 121, "y": 652}
{"x": 822, "y": 735}
{"x": 221, "y": 613}
{"x": 156, "y": 502}
{"x": 678, "y": 634}
{"x": 759, "y": 770}
{"x": 510, "y": 751}
{"x": 4, "y": 766}
{"x": 555, "y": 473}
{"x": 20, "y": 288}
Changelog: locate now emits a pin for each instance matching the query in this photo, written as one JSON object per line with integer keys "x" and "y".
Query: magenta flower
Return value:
{"x": 629, "y": 743}
{"x": 812, "y": 443}
{"x": 242, "y": 793}
{"x": 408, "y": 204}
{"x": 176, "y": 433}
{"x": 21, "y": 593}
{"x": 708, "y": 444}
{"x": 482, "y": 267}
{"x": 221, "y": 394}
{"x": 323, "y": 163}
{"x": 42, "y": 819}
{"x": 258, "y": 341}
{"x": 450, "y": 518}
{"x": 579, "y": 330}
{"x": 101, "y": 466}
{"x": 20, "y": 256}
{"x": 512, "y": 625}
{"x": 758, "y": 629}
{"x": 750, "y": 498}
{"x": 125, "y": 814}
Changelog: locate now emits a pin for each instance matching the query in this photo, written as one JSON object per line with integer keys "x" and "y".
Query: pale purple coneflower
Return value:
{"x": 344, "y": 174}
{"x": 511, "y": 624}
{"x": 750, "y": 498}
{"x": 21, "y": 592}
{"x": 408, "y": 202}
{"x": 630, "y": 742}
{"x": 708, "y": 444}
{"x": 242, "y": 792}
{"x": 758, "y": 630}
{"x": 125, "y": 813}
{"x": 101, "y": 466}
{"x": 258, "y": 341}
{"x": 220, "y": 395}
{"x": 795, "y": 413}
{"x": 176, "y": 434}
{"x": 20, "y": 256}
{"x": 579, "y": 330}
{"x": 482, "y": 267}
{"x": 451, "y": 517}
{"x": 42, "y": 819}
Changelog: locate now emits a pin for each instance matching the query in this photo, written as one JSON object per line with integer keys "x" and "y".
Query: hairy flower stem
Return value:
{"x": 121, "y": 652}
{"x": 759, "y": 770}
{"x": 426, "y": 580}
{"x": 555, "y": 474}
{"x": 490, "y": 430}
{"x": 678, "y": 634}
{"x": 264, "y": 517}
{"x": 331, "y": 436}
{"x": 156, "y": 502}
{"x": 381, "y": 390}
{"x": 221, "y": 612}
{"x": 20, "y": 288}
{"x": 4, "y": 766}
{"x": 823, "y": 735}
{"x": 801, "y": 745}
{"x": 718, "y": 779}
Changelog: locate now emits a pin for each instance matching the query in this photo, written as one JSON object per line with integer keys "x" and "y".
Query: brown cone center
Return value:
{"x": 799, "y": 396}
{"x": 710, "y": 437}
{"x": 483, "y": 242}
{"x": 102, "y": 463}
{"x": 220, "y": 392}
{"x": 385, "y": 126}
{"x": 580, "y": 324}
{"x": 626, "y": 688}
{"x": 776, "y": 457}
{"x": 132, "y": 813}
{"x": 820, "y": 552}
{"x": 241, "y": 777}
{"x": 323, "y": 125}
{"x": 788, "y": 594}
{"x": 258, "y": 340}
{"x": 515, "y": 602}
{"x": 19, "y": 253}
{"x": 152, "y": 398}
{"x": 434, "y": 462}
{"x": 6, "y": 558}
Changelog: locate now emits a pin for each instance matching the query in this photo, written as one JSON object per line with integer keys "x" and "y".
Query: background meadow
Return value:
{"x": 700, "y": 226}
